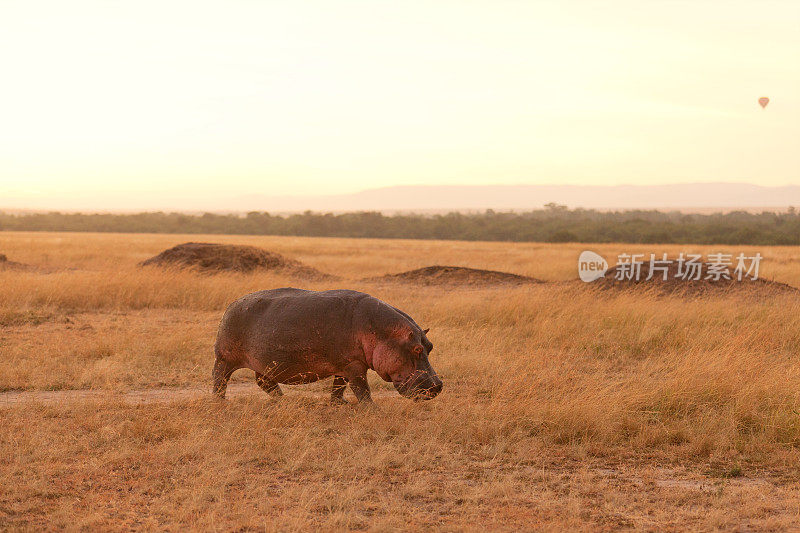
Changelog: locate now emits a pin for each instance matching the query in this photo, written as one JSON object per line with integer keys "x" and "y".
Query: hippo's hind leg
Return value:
{"x": 267, "y": 385}
{"x": 221, "y": 374}
{"x": 337, "y": 392}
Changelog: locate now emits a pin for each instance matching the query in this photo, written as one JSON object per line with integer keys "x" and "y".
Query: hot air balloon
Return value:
{"x": 763, "y": 101}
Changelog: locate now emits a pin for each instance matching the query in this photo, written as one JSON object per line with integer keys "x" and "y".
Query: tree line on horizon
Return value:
{"x": 554, "y": 223}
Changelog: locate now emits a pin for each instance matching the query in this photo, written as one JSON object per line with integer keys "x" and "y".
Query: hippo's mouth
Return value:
{"x": 419, "y": 386}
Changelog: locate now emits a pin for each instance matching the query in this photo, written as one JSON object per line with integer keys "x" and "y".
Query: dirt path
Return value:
{"x": 147, "y": 396}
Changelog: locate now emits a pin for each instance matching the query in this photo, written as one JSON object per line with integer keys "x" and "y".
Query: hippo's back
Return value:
{"x": 287, "y": 319}
{"x": 289, "y": 301}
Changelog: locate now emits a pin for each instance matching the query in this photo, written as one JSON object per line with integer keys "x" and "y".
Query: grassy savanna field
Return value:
{"x": 563, "y": 406}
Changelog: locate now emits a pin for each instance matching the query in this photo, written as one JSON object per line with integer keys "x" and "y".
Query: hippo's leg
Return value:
{"x": 337, "y": 392}
{"x": 221, "y": 374}
{"x": 267, "y": 385}
{"x": 361, "y": 388}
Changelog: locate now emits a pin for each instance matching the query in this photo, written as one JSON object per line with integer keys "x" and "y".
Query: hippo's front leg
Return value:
{"x": 356, "y": 375}
{"x": 337, "y": 391}
{"x": 360, "y": 388}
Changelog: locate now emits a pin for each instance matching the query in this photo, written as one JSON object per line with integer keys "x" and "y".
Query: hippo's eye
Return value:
{"x": 417, "y": 349}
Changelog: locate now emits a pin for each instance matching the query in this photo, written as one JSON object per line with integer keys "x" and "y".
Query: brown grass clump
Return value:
{"x": 212, "y": 257}
{"x": 456, "y": 275}
{"x": 683, "y": 287}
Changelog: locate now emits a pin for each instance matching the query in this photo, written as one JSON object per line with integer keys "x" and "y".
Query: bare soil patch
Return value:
{"x": 673, "y": 284}
{"x": 5, "y": 264}
{"x": 211, "y": 258}
{"x": 165, "y": 394}
{"x": 456, "y": 275}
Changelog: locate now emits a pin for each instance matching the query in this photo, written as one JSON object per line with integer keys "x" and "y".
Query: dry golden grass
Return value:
{"x": 563, "y": 407}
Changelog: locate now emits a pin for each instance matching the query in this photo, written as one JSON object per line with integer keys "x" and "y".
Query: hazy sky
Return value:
{"x": 132, "y": 104}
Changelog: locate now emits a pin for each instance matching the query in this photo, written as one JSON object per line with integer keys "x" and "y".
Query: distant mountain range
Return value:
{"x": 692, "y": 196}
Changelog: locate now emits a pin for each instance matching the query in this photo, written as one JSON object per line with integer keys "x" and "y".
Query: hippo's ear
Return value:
{"x": 425, "y": 331}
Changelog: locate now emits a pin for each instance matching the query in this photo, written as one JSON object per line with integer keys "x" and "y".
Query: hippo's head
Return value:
{"x": 404, "y": 361}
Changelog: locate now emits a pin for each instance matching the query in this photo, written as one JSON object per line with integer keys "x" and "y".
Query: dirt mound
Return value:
{"x": 5, "y": 264}
{"x": 619, "y": 277}
{"x": 211, "y": 258}
{"x": 455, "y": 275}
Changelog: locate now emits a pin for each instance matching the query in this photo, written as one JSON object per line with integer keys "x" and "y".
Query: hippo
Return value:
{"x": 294, "y": 336}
